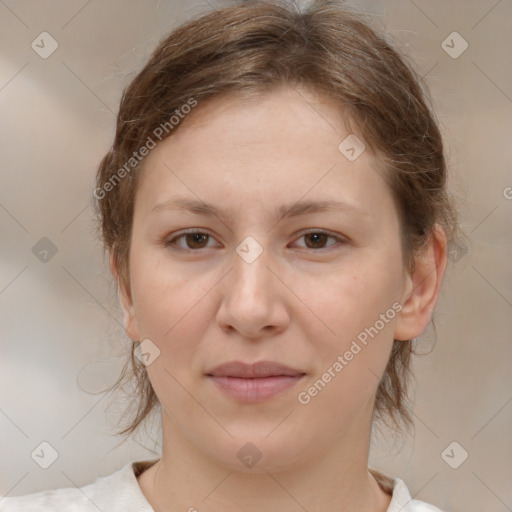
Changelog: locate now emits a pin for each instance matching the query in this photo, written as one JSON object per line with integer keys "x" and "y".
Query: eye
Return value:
{"x": 194, "y": 240}
{"x": 318, "y": 239}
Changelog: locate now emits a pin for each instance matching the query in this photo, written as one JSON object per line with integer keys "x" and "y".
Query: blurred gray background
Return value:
{"x": 60, "y": 331}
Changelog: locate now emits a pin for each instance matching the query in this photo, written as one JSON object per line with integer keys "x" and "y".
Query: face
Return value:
{"x": 317, "y": 290}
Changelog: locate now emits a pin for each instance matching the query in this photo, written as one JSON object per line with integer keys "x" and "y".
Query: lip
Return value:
{"x": 254, "y": 382}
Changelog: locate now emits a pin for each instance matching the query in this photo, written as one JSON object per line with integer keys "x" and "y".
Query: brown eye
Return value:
{"x": 193, "y": 240}
{"x": 196, "y": 240}
{"x": 318, "y": 240}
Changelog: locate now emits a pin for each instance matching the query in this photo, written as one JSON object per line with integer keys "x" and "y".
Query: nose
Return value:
{"x": 253, "y": 299}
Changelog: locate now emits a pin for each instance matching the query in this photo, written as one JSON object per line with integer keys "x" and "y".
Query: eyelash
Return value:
{"x": 172, "y": 241}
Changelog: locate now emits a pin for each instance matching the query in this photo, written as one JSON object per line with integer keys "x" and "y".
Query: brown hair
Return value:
{"x": 252, "y": 47}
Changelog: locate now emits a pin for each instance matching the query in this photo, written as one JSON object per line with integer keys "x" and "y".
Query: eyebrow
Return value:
{"x": 284, "y": 211}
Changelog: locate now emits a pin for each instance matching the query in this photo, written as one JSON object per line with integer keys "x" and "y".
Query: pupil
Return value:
{"x": 196, "y": 238}
{"x": 317, "y": 237}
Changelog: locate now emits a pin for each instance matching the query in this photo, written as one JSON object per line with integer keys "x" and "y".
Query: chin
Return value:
{"x": 259, "y": 453}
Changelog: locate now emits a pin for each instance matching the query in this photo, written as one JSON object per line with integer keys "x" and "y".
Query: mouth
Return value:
{"x": 254, "y": 382}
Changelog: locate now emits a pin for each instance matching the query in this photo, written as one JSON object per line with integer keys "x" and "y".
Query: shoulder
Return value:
{"x": 56, "y": 500}
{"x": 401, "y": 500}
{"x": 421, "y": 506}
{"x": 116, "y": 492}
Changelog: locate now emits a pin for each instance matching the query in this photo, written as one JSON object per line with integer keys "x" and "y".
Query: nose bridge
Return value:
{"x": 251, "y": 280}
{"x": 250, "y": 298}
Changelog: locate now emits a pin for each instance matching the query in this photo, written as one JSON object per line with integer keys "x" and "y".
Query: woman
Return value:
{"x": 275, "y": 210}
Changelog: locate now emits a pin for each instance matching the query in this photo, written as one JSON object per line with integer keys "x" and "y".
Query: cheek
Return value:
{"x": 352, "y": 361}
{"x": 171, "y": 311}
{"x": 168, "y": 304}
{"x": 349, "y": 300}
{"x": 357, "y": 307}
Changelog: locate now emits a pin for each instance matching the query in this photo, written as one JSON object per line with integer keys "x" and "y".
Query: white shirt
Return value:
{"x": 120, "y": 492}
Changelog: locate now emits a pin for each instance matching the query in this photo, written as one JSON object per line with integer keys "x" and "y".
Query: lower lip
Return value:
{"x": 254, "y": 390}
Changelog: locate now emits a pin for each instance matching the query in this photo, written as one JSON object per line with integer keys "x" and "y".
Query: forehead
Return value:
{"x": 277, "y": 147}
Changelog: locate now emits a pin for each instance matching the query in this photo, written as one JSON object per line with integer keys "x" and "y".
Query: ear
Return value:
{"x": 422, "y": 288}
{"x": 125, "y": 298}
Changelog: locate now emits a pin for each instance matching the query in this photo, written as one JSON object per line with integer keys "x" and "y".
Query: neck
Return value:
{"x": 185, "y": 479}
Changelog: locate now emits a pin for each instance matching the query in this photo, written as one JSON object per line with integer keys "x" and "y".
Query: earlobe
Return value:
{"x": 422, "y": 288}
{"x": 126, "y": 303}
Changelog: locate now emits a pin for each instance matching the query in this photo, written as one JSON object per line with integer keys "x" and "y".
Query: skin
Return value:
{"x": 301, "y": 302}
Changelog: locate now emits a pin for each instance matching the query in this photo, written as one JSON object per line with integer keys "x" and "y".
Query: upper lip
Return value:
{"x": 253, "y": 370}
